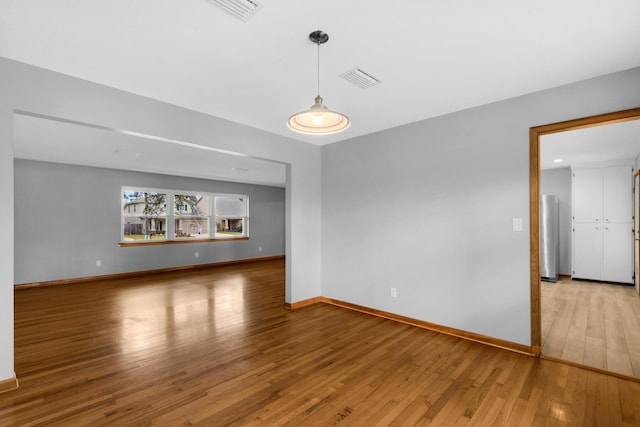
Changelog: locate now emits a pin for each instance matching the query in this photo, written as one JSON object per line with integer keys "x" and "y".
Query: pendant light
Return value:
{"x": 318, "y": 119}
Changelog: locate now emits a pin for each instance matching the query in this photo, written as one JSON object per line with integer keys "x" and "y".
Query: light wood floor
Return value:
{"x": 591, "y": 323}
{"x": 216, "y": 347}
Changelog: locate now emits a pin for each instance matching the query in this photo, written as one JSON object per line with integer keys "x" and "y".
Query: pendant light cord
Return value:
{"x": 318, "y": 69}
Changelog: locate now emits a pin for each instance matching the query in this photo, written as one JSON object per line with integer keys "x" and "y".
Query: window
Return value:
{"x": 192, "y": 216}
{"x": 145, "y": 215}
{"x": 231, "y": 216}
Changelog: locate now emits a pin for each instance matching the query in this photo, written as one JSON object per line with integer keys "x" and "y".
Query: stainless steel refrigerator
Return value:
{"x": 549, "y": 237}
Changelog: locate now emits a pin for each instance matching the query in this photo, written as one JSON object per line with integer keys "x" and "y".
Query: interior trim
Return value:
{"x": 9, "y": 385}
{"x": 458, "y": 333}
{"x": 303, "y": 303}
{"x": 635, "y": 222}
{"x": 591, "y": 368}
{"x": 534, "y": 240}
{"x": 174, "y": 242}
{"x": 534, "y": 201}
{"x": 133, "y": 274}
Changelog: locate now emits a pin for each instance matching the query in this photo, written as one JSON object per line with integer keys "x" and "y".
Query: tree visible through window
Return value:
{"x": 145, "y": 215}
{"x": 192, "y": 216}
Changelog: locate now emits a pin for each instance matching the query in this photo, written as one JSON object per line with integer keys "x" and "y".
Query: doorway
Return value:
{"x": 535, "y": 163}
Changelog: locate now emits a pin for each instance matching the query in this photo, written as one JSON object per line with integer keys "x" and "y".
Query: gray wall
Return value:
{"x": 425, "y": 207}
{"x": 67, "y": 217}
{"x": 558, "y": 182}
{"x": 36, "y": 90}
{"x": 428, "y": 207}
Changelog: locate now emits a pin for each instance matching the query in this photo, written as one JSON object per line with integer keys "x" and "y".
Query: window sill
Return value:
{"x": 177, "y": 242}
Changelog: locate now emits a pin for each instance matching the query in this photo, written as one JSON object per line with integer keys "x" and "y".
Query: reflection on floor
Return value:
{"x": 592, "y": 323}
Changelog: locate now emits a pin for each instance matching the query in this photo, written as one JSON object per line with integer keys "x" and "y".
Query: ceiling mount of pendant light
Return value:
{"x": 318, "y": 119}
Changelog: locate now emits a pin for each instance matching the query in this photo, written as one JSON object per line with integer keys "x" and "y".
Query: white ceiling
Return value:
{"x": 433, "y": 57}
{"x": 42, "y": 139}
{"x": 607, "y": 143}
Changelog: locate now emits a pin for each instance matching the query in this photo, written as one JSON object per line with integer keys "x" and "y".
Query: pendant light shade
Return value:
{"x": 318, "y": 119}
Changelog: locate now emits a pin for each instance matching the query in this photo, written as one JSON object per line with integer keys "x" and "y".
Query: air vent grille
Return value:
{"x": 360, "y": 78}
{"x": 241, "y": 9}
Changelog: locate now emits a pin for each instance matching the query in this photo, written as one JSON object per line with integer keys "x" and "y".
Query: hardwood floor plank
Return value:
{"x": 617, "y": 352}
{"x": 630, "y": 410}
{"x": 563, "y": 305}
{"x": 574, "y": 347}
{"x": 216, "y": 347}
{"x": 595, "y": 351}
{"x": 591, "y": 323}
{"x": 630, "y": 314}
{"x": 576, "y": 339}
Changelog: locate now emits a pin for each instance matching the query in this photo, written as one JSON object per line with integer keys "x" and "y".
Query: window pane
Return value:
{"x": 230, "y": 216}
{"x": 191, "y": 205}
{"x": 155, "y": 204}
{"x": 230, "y": 206}
{"x": 192, "y": 228}
{"x": 133, "y": 202}
{"x": 144, "y": 228}
{"x": 144, "y": 215}
{"x": 146, "y": 204}
{"x": 229, "y": 227}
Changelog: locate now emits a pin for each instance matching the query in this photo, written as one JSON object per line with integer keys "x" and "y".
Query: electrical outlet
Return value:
{"x": 392, "y": 292}
{"x": 517, "y": 224}
{"x": 197, "y": 254}
{"x": 259, "y": 248}
{"x": 98, "y": 263}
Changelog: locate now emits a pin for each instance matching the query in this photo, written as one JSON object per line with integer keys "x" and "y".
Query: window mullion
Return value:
{"x": 171, "y": 226}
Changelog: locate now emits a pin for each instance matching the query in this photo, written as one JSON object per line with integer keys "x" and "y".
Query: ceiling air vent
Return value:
{"x": 360, "y": 78}
{"x": 241, "y": 9}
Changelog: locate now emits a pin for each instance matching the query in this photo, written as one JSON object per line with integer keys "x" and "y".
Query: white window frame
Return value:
{"x": 244, "y": 217}
{"x": 171, "y": 216}
{"x": 177, "y": 214}
{"x": 138, "y": 215}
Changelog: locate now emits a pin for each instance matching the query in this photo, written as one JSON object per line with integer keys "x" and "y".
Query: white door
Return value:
{"x": 587, "y": 195}
{"x": 617, "y": 193}
{"x": 617, "y": 247}
{"x": 587, "y": 251}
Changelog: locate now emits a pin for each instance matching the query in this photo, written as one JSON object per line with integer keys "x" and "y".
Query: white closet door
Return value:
{"x": 587, "y": 251}
{"x": 617, "y": 246}
{"x": 587, "y": 195}
{"x": 617, "y": 194}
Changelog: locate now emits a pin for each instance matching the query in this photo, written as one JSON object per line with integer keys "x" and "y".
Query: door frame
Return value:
{"x": 534, "y": 202}
{"x": 636, "y": 227}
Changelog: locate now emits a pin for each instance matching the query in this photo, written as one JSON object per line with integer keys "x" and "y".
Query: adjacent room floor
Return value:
{"x": 592, "y": 323}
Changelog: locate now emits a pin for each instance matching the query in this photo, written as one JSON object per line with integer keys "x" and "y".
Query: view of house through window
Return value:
{"x": 230, "y": 215}
{"x": 192, "y": 216}
{"x": 145, "y": 215}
